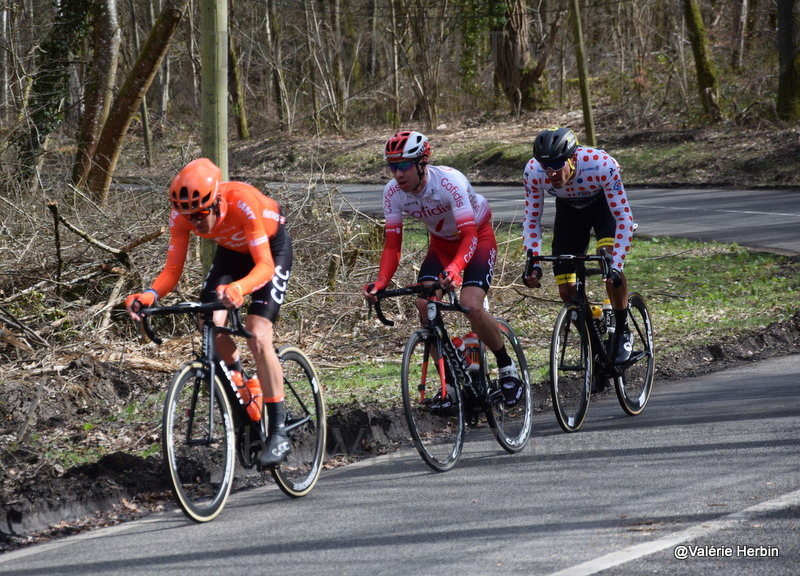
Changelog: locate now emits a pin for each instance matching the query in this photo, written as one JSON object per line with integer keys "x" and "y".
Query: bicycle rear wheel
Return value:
{"x": 636, "y": 379}
{"x": 511, "y": 425}
{"x": 305, "y": 424}
{"x": 198, "y": 443}
{"x": 570, "y": 369}
{"x": 437, "y": 432}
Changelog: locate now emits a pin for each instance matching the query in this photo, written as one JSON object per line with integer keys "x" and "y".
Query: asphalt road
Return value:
{"x": 705, "y": 481}
{"x": 768, "y": 219}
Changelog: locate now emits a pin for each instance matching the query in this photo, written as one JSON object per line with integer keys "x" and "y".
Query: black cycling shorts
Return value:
{"x": 573, "y": 226}
{"x": 229, "y": 266}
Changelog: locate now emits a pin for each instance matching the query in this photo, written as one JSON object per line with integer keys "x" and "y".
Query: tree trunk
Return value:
{"x": 214, "y": 100}
{"x": 129, "y": 98}
{"x": 707, "y": 84}
{"x": 50, "y": 84}
{"x": 789, "y": 57}
{"x": 515, "y": 71}
{"x": 278, "y": 83}
{"x": 235, "y": 84}
{"x": 106, "y": 38}
{"x": 583, "y": 76}
{"x": 313, "y": 82}
{"x": 146, "y": 134}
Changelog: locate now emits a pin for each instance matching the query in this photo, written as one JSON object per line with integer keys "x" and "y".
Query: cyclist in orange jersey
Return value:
{"x": 253, "y": 256}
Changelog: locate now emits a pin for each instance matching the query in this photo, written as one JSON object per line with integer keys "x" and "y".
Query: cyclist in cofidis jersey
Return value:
{"x": 589, "y": 195}
{"x": 461, "y": 240}
{"x": 253, "y": 256}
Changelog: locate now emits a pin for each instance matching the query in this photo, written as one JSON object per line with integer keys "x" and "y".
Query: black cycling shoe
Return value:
{"x": 623, "y": 346}
{"x": 278, "y": 448}
{"x": 510, "y": 385}
{"x": 440, "y": 407}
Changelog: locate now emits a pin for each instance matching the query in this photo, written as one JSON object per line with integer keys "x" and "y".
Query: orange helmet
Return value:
{"x": 196, "y": 187}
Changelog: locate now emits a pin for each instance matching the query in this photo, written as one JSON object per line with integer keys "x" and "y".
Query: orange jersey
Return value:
{"x": 246, "y": 222}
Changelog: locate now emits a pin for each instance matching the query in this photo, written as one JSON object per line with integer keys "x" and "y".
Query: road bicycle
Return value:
{"x": 582, "y": 343}
{"x": 206, "y": 429}
{"x": 441, "y": 394}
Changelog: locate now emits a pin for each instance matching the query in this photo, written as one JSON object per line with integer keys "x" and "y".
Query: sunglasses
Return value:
{"x": 554, "y": 166}
{"x": 199, "y": 215}
{"x": 400, "y": 166}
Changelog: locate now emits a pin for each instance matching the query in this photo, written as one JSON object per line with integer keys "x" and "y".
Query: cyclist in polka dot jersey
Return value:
{"x": 589, "y": 195}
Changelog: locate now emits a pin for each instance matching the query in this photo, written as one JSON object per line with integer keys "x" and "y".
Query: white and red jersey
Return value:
{"x": 446, "y": 202}
{"x": 449, "y": 207}
{"x": 596, "y": 172}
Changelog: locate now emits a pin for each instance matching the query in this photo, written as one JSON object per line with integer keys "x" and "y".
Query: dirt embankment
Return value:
{"x": 39, "y": 501}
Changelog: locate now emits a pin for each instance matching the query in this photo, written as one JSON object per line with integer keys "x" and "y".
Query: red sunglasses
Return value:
{"x": 199, "y": 215}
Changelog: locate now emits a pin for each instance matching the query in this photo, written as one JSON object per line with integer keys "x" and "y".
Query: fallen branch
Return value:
{"x": 9, "y": 319}
{"x": 120, "y": 255}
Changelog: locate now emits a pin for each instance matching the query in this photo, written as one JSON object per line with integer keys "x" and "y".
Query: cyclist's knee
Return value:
{"x": 566, "y": 291}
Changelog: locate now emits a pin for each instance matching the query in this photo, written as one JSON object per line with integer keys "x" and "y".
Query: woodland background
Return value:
{"x": 84, "y": 73}
{"x": 102, "y": 102}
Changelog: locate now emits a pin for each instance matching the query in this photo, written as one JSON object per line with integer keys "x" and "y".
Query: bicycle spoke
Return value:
{"x": 198, "y": 444}
{"x": 436, "y": 424}
{"x": 570, "y": 370}
{"x": 305, "y": 423}
{"x": 511, "y": 425}
{"x": 636, "y": 381}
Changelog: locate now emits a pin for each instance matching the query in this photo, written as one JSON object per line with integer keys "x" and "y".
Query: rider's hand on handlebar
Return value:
{"x": 532, "y": 280}
{"x": 136, "y": 302}
{"x": 450, "y": 279}
{"x": 231, "y": 295}
{"x": 615, "y": 277}
{"x": 370, "y": 290}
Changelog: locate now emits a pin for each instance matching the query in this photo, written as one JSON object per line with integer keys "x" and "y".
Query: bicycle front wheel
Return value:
{"x": 511, "y": 425}
{"x": 570, "y": 369}
{"x": 436, "y": 424}
{"x": 305, "y": 424}
{"x": 198, "y": 443}
{"x": 636, "y": 379}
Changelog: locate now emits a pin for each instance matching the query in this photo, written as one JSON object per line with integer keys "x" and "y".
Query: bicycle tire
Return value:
{"x": 570, "y": 369}
{"x": 305, "y": 422}
{"x": 635, "y": 382}
{"x": 511, "y": 425}
{"x": 437, "y": 435}
{"x": 199, "y": 461}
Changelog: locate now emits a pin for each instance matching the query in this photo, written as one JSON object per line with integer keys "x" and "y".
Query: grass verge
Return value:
{"x": 698, "y": 293}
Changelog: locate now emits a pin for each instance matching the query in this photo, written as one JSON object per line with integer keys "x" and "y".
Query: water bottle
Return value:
{"x": 250, "y": 395}
{"x": 599, "y": 318}
{"x": 608, "y": 314}
{"x": 256, "y": 405}
{"x": 472, "y": 351}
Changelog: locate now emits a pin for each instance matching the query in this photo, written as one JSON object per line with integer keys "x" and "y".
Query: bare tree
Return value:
{"x": 515, "y": 70}
{"x": 707, "y": 84}
{"x": 129, "y": 98}
{"x": 789, "y": 54}
{"x": 235, "y": 82}
{"x": 50, "y": 84}
{"x": 99, "y": 88}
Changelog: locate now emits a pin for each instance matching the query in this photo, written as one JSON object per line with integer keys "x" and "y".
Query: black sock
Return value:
{"x": 503, "y": 359}
{"x": 236, "y": 365}
{"x": 276, "y": 417}
{"x": 621, "y": 318}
